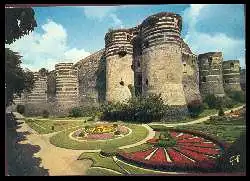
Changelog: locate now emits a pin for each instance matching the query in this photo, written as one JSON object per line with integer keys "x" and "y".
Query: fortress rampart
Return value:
{"x": 211, "y": 80}
{"x": 231, "y": 75}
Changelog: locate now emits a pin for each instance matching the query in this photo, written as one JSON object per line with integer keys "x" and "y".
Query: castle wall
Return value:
{"x": 119, "y": 73}
{"x": 87, "y": 71}
{"x": 211, "y": 80}
{"x": 190, "y": 78}
{"x": 231, "y": 75}
{"x": 66, "y": 86}
{"x": 162, "y": 58}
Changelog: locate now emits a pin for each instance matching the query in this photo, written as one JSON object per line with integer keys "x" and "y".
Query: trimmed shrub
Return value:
{"x": 195, "y": 108}
{"x": 211, "y": 101}
{"x": 45, "y": 114}
{"x": 75, "y": 112}
{"x": 138, "y": 109}
{"x": 221, "y": 112}
{"x": 20, "y": 109}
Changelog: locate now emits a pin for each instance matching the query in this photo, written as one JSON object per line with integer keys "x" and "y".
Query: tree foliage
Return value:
{"x": 18, "y": 22}
{"x": 16, "y": 79}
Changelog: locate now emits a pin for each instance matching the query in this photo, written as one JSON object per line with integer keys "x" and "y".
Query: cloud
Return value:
{"x": 201, "y": 41}
{"x": 47, "y": 48}
{"x": 103, "y": 12}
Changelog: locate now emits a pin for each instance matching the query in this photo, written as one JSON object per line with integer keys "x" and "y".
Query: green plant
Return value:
{"x": 195, "y": 108}
{"x": 75, "y": 112}
{"x": 221, "y": 112}
{"x": 211, "y": 101}
{"x": 20, "y": 109}
{"x": 166, "y": 143}
{"x": 45, "y": 114}
{"x": 108, "y": 152}
{"x": 238, "y": 96}
{"x": 81, "y": 134}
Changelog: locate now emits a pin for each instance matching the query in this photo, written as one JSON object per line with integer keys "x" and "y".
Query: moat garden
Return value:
{"x": 116, "y": 146}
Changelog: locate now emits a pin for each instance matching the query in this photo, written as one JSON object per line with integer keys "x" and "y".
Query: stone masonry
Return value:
{"x": 151, "y": 57}
{"x": 231, "y": 75}
{"x": 66, "y": 85}
{"x": 211, "y": 80}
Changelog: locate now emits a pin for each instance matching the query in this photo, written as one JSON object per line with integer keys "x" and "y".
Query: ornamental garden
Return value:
{"x": 120, "y": 142}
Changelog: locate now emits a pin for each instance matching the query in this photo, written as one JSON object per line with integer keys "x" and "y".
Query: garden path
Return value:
{"x": 58, "y": 161}
{"x": 195, "y": 121}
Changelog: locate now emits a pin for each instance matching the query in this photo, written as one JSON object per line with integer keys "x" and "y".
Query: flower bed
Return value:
{"x": 191, "y": 151}
{"x": 100, "y": 132}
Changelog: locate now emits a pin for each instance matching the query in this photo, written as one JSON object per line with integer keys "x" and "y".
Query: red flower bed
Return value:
{"x": 100, "y": 136}
{"x": 196, "y": 140}
{"x": 208, "y": 145}
{"x": 199, "y": 152}
{"x": 210, "y": 151}
{"x": 159, "y": 156}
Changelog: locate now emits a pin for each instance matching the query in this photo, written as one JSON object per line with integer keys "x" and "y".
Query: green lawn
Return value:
{"x": 108, "y": 162}
{"x": 99, "y": 161}
{"x": 62, "y": 140}
{"x": 45, "y": 126}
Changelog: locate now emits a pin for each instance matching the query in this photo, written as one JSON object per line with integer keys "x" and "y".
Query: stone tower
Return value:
{"x": 39, "y": 92}
{"x": 66, "y": 85}
{"x": 119, "y": 72}
{"x": 162, "y": 69}
{"x": 211, "y": 80}
{"x": 231, "y": 75}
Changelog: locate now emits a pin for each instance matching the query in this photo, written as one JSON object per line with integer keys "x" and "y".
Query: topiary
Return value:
{"x": 221, "y": 112}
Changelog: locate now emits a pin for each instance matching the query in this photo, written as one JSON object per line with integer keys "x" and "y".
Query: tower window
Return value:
{"x": 122, "y": 83}
{"x": 204, "y": 79}
{"x": 138, "y": 64}
{"x": 231, "y": 65}
{"x": 147, "y": 82}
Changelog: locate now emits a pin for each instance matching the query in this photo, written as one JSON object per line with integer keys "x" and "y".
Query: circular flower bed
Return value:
{"x": 177, "y": 150}
{"x": 100, "y": 132}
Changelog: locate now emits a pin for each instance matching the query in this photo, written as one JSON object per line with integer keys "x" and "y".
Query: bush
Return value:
{"x": 221, "y": 112}
{"x": 45, "y": 114}
{"x": 75, "y": 112}
{"x": 20, "y": 109}
{"x": 195, "y": 108}
{"x": 211, "y": 101}
{"x": 138, "y": 109}
{"x": 238, "y": 96}
{"x": 108, "y": 152}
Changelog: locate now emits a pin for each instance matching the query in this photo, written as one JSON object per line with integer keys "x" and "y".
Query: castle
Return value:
{"x": 151, "y": 58}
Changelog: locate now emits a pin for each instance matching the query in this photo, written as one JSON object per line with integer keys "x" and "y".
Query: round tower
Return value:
{"x": 231, "y": 75}
{"x": 66, "y": 85}
{"x": 119, "y": 72}
{"x": 162, "y": 58}
{"x": 211, "y": 80}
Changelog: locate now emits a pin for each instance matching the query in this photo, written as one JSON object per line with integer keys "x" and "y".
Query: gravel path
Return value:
{"x": 58, "y": 161}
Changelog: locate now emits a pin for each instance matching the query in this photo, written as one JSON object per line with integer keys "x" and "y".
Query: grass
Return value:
{"x": 98, "y": 161}
{"x": 59, "y": 118}
{"x": 108, "y": 162}
{"x": 137, "y": 148}
{"x": 100, "y": 172}
{"x": 226, "y": 130}
{"x": 45, "y": 126}
{"x": 62, "y": 140}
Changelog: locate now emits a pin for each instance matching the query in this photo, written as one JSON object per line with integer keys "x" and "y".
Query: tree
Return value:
{"x": 16, "y": 79}
{"x": 18, "y": 22}
{"x": 43, "y": 72}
